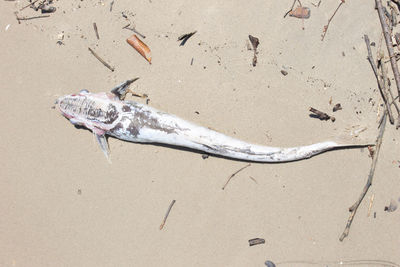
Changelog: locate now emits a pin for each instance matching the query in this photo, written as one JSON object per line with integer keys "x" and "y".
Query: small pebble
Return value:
{"x": 205, "y": 156}
{"x": 270, "y": 264}
{"x": 284, "y": 72}
{"x": 337, "y": 107}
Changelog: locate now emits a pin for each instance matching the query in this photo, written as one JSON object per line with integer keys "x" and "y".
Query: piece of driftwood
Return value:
{"x": 321, "y": 115}
{"x": 256, "y": 241}
{"x": 389, "y": 44}
{"x": 353, "y": 209}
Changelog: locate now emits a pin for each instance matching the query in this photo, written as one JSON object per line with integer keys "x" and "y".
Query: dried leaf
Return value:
{"x": 300, "y": 12}
{"x": 141, "y": 47}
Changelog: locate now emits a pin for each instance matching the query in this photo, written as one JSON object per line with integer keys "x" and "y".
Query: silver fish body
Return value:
{"x": 105, "y": 114}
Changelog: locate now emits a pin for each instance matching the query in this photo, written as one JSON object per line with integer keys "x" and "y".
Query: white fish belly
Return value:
{"x": 160, "y": 127}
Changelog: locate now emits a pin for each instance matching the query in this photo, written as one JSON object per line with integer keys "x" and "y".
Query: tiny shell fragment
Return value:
{"x": 141, "y": 47}
{"x": 300, "y": 12}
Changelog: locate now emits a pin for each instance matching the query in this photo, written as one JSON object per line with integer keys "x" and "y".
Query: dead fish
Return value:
{"x": 107, "y": 113}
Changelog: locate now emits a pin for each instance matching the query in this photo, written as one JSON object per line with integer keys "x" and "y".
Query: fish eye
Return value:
{"x": 84, "y": 91}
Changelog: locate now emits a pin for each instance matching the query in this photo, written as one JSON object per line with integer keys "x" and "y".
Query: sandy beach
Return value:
{"x": 63, "y": 204}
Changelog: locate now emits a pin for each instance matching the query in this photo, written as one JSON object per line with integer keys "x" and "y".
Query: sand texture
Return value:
{"x": 62, "y": 204}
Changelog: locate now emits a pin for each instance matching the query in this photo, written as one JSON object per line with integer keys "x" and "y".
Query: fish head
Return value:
{"x": 95, "y": 111}
{"x": 68, "y": 104}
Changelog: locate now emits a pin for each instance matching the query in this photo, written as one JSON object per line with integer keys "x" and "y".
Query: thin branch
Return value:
{"x": 134, "y": 30}
{"x": 96, "y": 31}
{"x": 329, "y": 21}
{"x": 30, "y": 4}
{"x": 389, "y": 43}
{"x": 291, "y": 9}
{"x": 29, "y": 18}
{"x": 381, "y": 85}
{"x": 101, "y": 60}
{"x": 353, "y": 209}
{"x": 166, "y": 215}
{"x": 387, "y": 85}
{"x": 233, "y": 174}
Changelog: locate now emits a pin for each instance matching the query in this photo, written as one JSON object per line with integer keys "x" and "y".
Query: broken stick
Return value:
{"x": 381, "y": 85}
{"x": 353, "y": 209}
{"x": 96, "y": 31}
{"x": 101, "y": 60}
{"x": 389, "y": 44}
{"x": 329, "y": 21}
{"x": 386, "y": 82}
{"x": 166, "y": 215}
{"x": 30, "y": 4}
{"x": 236, "y": 172}
{"x": 321, "y": 115}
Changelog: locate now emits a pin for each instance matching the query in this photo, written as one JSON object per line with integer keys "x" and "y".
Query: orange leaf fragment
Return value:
{"x": 300, "y": 12}
{"x": 141, "y": 47}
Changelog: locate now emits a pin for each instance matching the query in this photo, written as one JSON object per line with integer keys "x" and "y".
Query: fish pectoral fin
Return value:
{"x": 102, "y": 140}
{"x": 121, "y": 90}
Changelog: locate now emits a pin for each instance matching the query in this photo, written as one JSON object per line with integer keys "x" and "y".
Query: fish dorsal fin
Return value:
{"x": 121, "y": 90}
{"x": 102, "y": 140}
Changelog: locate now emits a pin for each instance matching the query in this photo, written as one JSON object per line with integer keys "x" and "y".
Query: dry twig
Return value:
{"x": 291, "y": 9}
{"x": 134, "y": 30}
{"x": 236, "y": 172}
{"x": 321, "y": 115}
{"x": 111, "y": 5}
{"x": 329, "y": 21}
{"x": 387, "y": 85}
{"x": 381, "y": 85}
{"x": 353, "y": 209}
{"x": 166, "y": 215}
{"x": 256, "y": 241}
{"x": 96, "y": 31}
{"x": 101, "y": 60}
{"x": 30, "y": 4}
{"x": 29, "y": 18}
{"x": 389, "y": 44}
